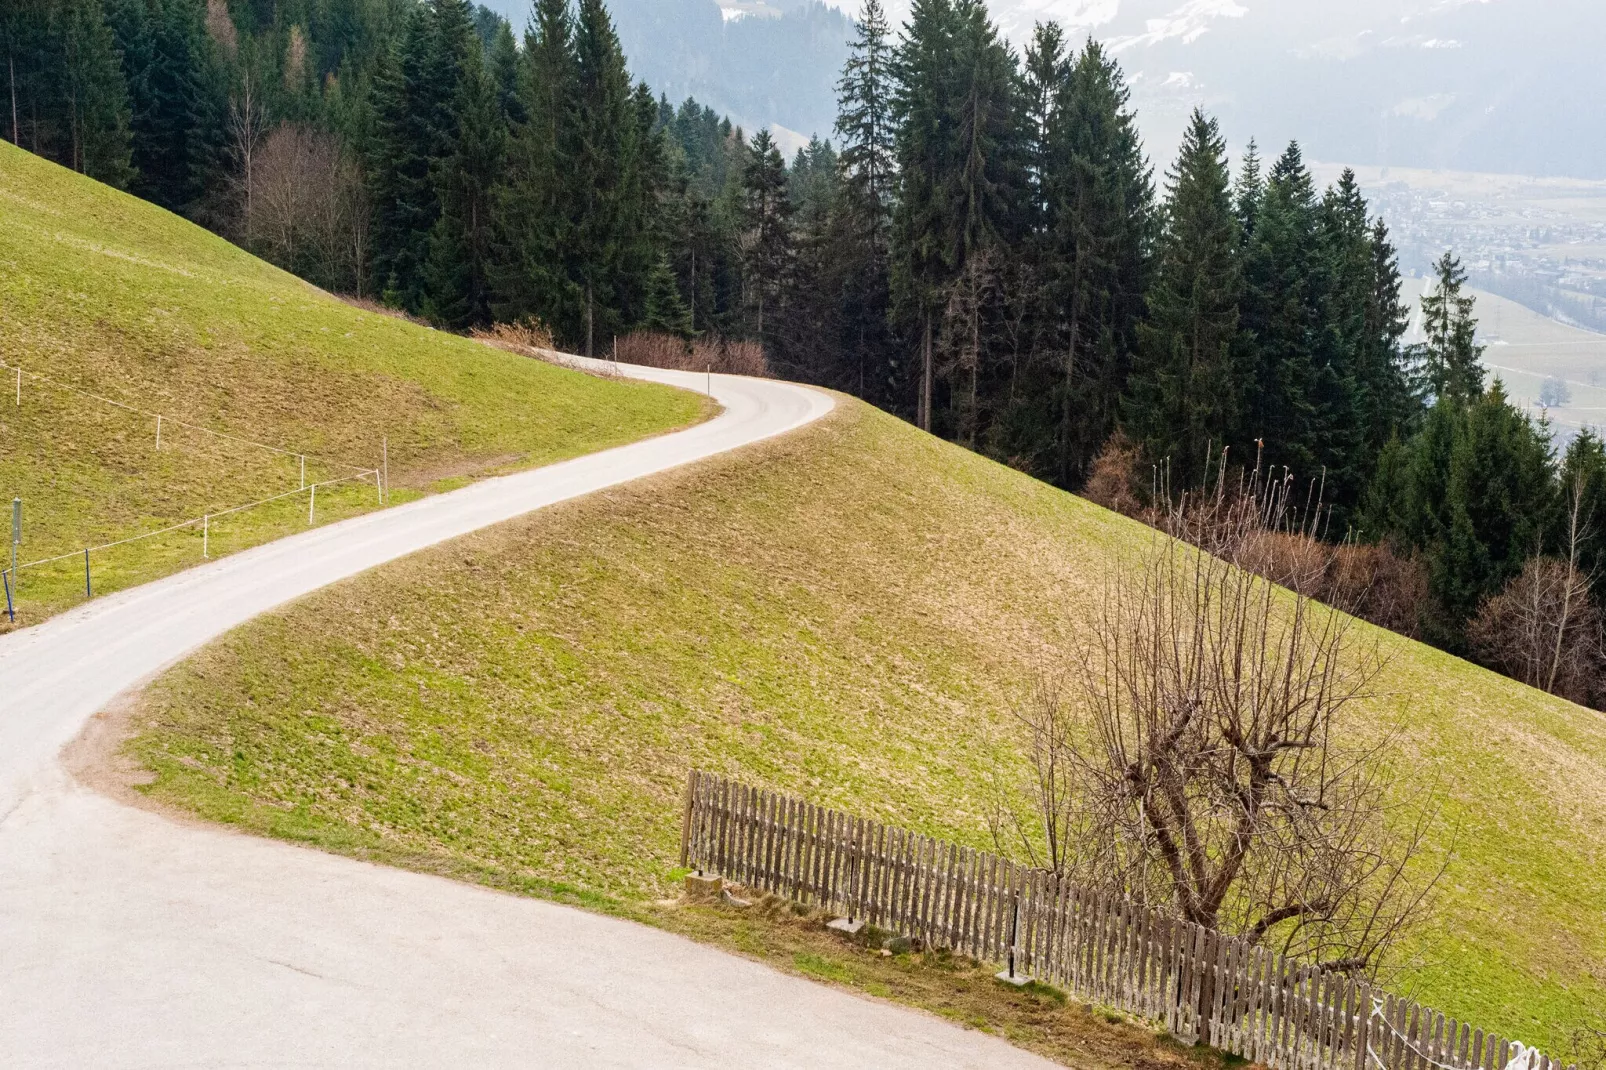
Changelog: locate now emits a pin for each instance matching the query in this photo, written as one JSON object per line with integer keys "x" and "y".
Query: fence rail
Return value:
{"x": 1201, "y": 985}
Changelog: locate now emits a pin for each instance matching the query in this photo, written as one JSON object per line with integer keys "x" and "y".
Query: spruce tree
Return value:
{"x": 458, "y": 292}
{"x": 1287, "y": 406}
{"x": 925, "y": 144}
{"x": 1502, "y": 503}
{"x": 862, "y": 223}
{"x": 1448, "y": 358}
{"x": 176, "y": 102}
{"x": 1099, "y": 233}
{"x": 90, "y": 96}
{"x": 400, "y": 164}
{"x": 530, "y": 268}
{"x": 600, "y": 158}
{"x": 1182, "y": 405}
{"x": 767, "y": 233}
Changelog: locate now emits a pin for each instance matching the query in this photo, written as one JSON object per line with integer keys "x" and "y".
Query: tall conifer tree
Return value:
{"x": 1183, "y": 404}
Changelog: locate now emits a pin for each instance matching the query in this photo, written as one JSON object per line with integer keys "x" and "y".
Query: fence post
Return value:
{"x": 685, "y": 820}
{"x": 312, "y": 506}
{"x": 158, "y": 434}
{"x": 16, "y": 541}
{"x": 384, "y": 462}
{"x": 206, "y": 536}
{"x": 89, "y": 591}
{"x": 303, "y": 472}
{"x": 11, "y": 609}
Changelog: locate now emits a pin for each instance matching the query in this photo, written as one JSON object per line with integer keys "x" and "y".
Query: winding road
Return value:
{"x": 132, "y": 939}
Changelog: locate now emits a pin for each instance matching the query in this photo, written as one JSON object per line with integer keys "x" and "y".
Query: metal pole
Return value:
{"x": 312, "y": 506}
{"x": 384, "y": 460}
{"x": 206, "y": 536}
{"x": 11, "y": 610}
{"x": 89, "y": 592}
{"x": 158, "y": 434}
{"x": 303, "y": 472}
{"x": 709, "y": 389}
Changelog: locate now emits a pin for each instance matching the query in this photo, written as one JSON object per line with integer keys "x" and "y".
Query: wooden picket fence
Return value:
{"x": 1199, "y": 984}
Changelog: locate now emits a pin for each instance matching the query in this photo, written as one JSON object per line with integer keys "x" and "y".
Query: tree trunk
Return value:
{"x": 923, "y": 412}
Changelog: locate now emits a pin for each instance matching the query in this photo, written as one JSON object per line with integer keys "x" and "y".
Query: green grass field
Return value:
{"x": 846, "y": 613}
{"x": 104, "y": 294}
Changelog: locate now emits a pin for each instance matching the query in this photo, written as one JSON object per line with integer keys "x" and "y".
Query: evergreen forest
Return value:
{"x": 981, "y": 245}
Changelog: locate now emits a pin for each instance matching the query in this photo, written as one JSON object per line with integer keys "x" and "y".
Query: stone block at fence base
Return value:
{"x": 704, "y": 889}
{"x": 851, "y": 926}
{"x": 1019, "y": 980}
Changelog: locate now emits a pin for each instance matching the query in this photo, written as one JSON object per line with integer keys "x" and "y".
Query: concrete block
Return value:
{"x": 845, "y": 925}
{"x": 704, "y": 889}
{"x": 1019, "y": 980}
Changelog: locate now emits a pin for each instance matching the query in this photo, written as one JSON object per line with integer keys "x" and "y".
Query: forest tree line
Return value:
{"x": 982, "y": 247}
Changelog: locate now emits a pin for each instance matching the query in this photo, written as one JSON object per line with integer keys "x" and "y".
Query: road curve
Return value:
{"x": 131, "y": 939}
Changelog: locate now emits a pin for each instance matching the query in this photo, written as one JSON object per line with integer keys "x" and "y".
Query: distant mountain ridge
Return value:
{"x": 762, "y": 62}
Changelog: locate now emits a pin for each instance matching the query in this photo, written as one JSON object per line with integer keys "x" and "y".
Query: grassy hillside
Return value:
{"x": 846, "y": 613}
{"x": 110, "y": 296}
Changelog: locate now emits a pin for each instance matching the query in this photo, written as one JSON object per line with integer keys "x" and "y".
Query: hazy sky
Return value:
{"x": 1501, "y": 85}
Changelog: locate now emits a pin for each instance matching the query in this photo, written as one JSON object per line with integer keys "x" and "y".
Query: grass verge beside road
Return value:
{"x": 107, "y": 295}
{"x": 847, "y": 614}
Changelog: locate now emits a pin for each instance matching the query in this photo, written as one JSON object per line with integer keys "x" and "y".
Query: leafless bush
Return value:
{"x": 1114, "y": 476}
{"x": 1378, "y": 585}
{"x": 526, "y": 335}
{"x": 654, "y": 350}
{"x": 1204, "y": 752}
{"x": 1545, "y": 630}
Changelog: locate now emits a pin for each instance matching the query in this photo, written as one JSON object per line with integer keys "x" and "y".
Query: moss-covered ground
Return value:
{"x": 847, "y": 613}
{"x": 105, "y": 295}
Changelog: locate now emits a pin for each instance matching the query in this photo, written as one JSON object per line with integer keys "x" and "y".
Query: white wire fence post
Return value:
{"x": 19, "y": 386}
{"x": 312, "y": 506}
{"x": 16, "y": 541}
{"x": 303, "y": 472}
{"x": 206, "y": 537}
{"x": 384, "y": 462}
{"x": 158, "y": 434}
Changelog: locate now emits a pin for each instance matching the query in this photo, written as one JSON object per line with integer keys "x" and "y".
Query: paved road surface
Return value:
{"x": 130, "y": 939}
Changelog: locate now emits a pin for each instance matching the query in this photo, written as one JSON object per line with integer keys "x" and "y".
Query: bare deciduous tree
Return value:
{"x": 312, "y": 208}
{"x": 1545, "y": 628}
{"x": 1204, "y": 753}
{"x": 247, "y": 124}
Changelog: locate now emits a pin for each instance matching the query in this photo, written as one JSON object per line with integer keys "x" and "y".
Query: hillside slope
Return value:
{"x": 106, "y": 301}
{"x": 846, "y": 613}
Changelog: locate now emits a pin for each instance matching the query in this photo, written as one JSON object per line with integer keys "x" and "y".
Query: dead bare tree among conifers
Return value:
{"x": 1205, "y": 751}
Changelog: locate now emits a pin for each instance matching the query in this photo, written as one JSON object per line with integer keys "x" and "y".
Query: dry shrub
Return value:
{"x": 654, "y": 350}
{"x": 1114, "y": 476}
{"x": 1297, "y": 562}
{"x": 525, "y": 334}
{"x": 1379, "y": 585}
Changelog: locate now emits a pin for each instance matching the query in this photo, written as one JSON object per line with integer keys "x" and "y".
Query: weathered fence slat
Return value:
{"x": 1199, "y": 984}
